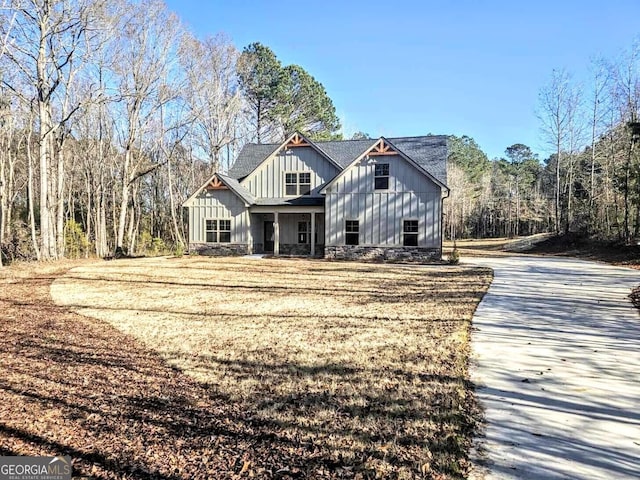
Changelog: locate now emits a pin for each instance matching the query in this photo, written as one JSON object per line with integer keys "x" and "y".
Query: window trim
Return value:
{"x": 405, "y": 232}
{"x": 306, "y": 183}
{"x": 217, "y": 231}
{"x": 347, "y": 233}
{"x": 297, "y": 183}
{"x": 382, "y": 176}
{"x": 287, "y": 184}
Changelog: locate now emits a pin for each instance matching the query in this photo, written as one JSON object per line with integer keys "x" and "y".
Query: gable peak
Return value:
{"x": 382, "y": 147}
{"x": 297, "y": 140}
{"x": 216, "y": 184}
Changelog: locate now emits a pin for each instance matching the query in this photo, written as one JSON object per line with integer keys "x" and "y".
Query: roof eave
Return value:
{"x": 417, "y": 165}
{"x": 420, "y": 168}
{"x": 225, "y": 180}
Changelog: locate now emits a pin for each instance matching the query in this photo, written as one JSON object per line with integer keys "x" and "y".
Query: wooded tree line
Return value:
{"x": 112, "y": 113}
{"x": 590, "y": 185}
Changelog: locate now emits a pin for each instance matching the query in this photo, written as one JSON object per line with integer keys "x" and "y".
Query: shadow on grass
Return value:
{"x": 79, "y": 387}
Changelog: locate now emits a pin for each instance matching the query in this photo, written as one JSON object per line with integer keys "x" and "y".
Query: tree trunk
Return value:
{"x": 174, "y": 220}
{"x": 259, "y": 122}
{"x": 89, "y": 214}
{"x": 124, "y": 202}
{"x": 130, "y": 230}
{"x": 557, "y": 192}
{"x": 47, "y": 235}
{"x": 60, "y": 210}
{"x": 517, "y": 226}
{"x": 30, "y": 195}
{"x": 569, "y": 220}
{"x": 627, "y": 169}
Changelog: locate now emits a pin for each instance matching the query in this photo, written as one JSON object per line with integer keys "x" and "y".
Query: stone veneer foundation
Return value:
{"x": 383, "y": 254}
{"x": 219, "y": 249}
{"x": 299, "y": 249}
{"x": 230, "y": 249}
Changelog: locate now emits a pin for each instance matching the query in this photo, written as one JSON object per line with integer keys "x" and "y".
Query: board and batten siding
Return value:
{"x": 410, "y": 196}
{"x": 268, "y": 179}
{"x": 289, "y": 227}
{"x": 218, "y": 204}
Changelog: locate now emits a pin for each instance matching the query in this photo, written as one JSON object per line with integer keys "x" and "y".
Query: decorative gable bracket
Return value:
{"x": 381, "y": 148}
{"x": 297, "y": 140}
{"x": 216, "y": 184}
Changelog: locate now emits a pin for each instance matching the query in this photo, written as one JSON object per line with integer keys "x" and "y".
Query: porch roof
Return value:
{"x": 304, "y": 201}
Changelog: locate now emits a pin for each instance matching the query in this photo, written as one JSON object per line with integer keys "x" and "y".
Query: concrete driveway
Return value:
{"x": 556, "y": 346}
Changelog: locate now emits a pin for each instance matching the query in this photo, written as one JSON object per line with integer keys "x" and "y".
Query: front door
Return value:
{"x": 268, "y": 236}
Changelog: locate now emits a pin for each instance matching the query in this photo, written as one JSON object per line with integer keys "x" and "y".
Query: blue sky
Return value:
{"x": 401, "y": 68}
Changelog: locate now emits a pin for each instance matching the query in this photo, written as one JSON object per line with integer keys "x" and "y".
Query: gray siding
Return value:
{"x": 268, "y": 179}
{"x": 289, "y": 227}
{"x": 218, "y": 204}
{"x": 410, "y": 196}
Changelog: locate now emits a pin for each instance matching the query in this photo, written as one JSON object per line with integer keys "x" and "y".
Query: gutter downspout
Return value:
{"x": 442, "y": 199}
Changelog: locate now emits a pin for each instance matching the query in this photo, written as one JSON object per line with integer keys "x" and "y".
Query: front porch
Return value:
{"x": 288, "y": 230}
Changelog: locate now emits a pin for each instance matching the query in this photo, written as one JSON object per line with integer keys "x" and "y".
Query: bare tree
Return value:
{"x": 627, "y": 98}
{"x": 146, "y": 47}
{"x": 558, "y": 104}
{"x": 211, "y": 95}
{"x": 43, "y": 47}
{"x": 5, "y": 103}
{"x": 601, "y": 78}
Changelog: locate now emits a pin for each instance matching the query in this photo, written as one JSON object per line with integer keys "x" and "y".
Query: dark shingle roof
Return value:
{"x": 304, "y": 201}
{"x": 250, "y": 157}
{"x": 345, "y": 151}
{"x": 430, "y": 152}
{"x": 238, "y": 189}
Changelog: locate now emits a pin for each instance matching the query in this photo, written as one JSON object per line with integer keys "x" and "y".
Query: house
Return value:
{"x": 369, "y": 199}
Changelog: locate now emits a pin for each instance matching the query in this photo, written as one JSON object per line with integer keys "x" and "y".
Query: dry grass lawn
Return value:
{"x": 493, "y": 247}
{"x": 364, "y": 364}
{"x": 302, "y": 369}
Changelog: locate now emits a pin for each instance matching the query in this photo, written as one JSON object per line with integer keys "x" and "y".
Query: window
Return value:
{"x": 291, "y": 183}
{"x": 352, "y": 232}
{"x": 304, "y": 179}
{"x": 224, "y": 227}
{"x": 410, "y": 233}
{"x": 303, "y": 232}
{"x": 297, "y": 183}
{"x": 381, "y": 176}
{"x": 218, "y": 231}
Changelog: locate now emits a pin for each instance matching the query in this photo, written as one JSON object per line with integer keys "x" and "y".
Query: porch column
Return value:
{"x": 249, "y": 235}
{"x": 313, "y": 233}
{"x": 276, "y": 235}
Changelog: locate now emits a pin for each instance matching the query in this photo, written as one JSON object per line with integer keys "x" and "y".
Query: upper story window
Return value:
{"x": 410, "y": 233}
{"x": 297, "y": 183}
{"x": 218, "y": 231}
{"x": 381, "y": 176}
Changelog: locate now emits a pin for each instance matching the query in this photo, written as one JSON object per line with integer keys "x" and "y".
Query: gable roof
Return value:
{"x": 345, "y": 151}
{"x": 385, "y": 147}
{"x": 231, "y": 183}
{"x": 252, "y": 159}
{"x": 429, "y": 152}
